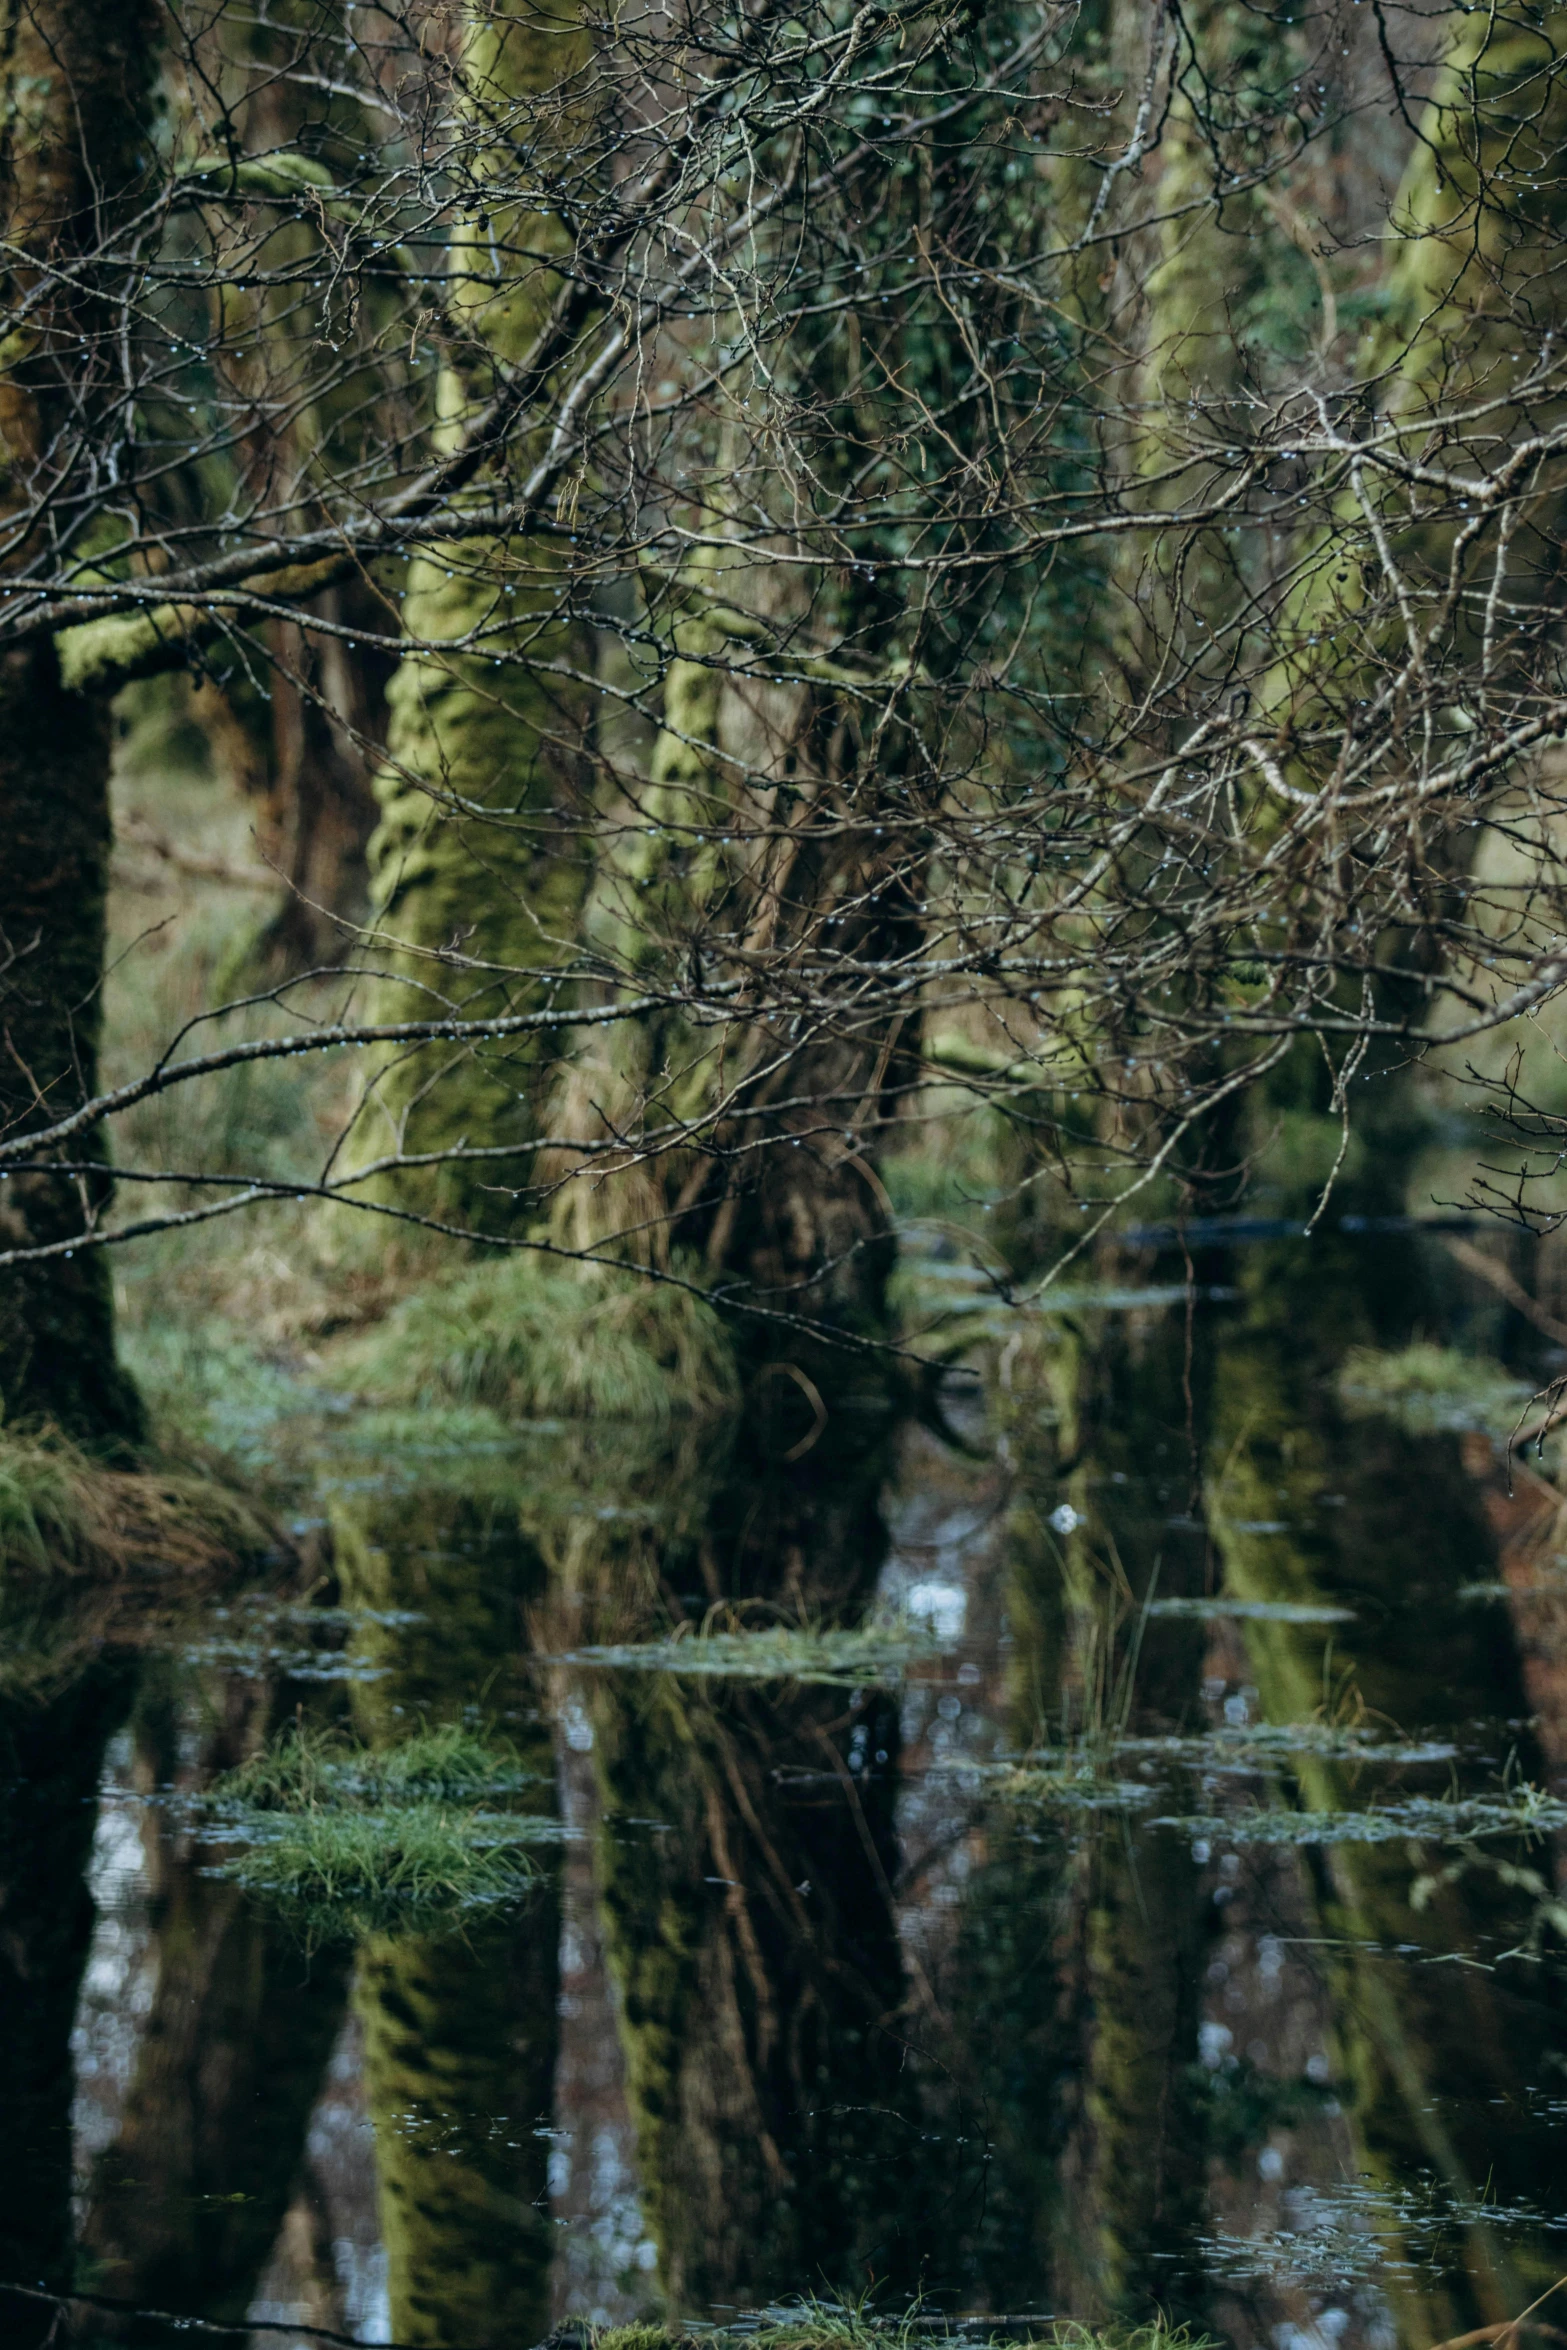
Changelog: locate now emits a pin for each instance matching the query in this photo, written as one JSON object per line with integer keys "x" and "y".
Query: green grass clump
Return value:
{"x": 306, "y": 1768}
{"x": 357, "y": 1839}
{"x": 62, "y": 1509}
{"x": 528, "y": 1340}
{"x": 390, "y": 1864}
{"x": 1433, "y": 1389}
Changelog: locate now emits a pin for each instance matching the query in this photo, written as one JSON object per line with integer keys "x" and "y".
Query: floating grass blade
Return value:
{"x": 1430, "y": 1819}
{"x": 844, "y": 1658}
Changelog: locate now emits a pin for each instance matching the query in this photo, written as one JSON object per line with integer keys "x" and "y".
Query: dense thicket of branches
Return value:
{"x": 1022, "y": 542}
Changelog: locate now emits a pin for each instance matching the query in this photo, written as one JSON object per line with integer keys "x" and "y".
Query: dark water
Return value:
{"x": 1009, "y": 1975}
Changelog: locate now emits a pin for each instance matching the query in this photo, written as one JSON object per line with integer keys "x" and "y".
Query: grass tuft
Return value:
{"x": 1431, "y": 1390}
{"x": 62, "y": 1509}
{"x": 307, "y": 1768}
{"x": 529, "y": 1341}
{"x": 354, "y": 1839}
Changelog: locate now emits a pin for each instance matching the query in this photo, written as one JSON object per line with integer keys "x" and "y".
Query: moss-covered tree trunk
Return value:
{"x": 1472, "y": 293}
{"x": 76, "y": 86}
{"x": 752, "y": 843}
{"x": 307, "y": 752}
{"x": 477, "y": 868}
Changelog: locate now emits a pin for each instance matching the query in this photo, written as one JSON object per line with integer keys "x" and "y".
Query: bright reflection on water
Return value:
{"x": 987, "y": 1958}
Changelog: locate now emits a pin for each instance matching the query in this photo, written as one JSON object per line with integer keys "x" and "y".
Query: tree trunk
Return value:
{"x": 776, "y": 1198}
{"x": 318, "y": 807}
{"x": 477, "y": 874}
{"x": 310, "y": 748}
{"x": 56, "y": 1317}
{"x": 78, "y": 80}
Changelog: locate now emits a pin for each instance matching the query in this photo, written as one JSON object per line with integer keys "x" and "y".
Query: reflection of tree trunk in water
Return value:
{"x": 1136, "y": 2174}
{"x": 1426, "y": 2051}
{"x": 1135, "y": 2163}
{"x": 76, "y": 79}
{"x": 460, "y": 2027}
{"x": 1525, "y": 1513}
{"x": 50, "y": 1757}
{"x": 755, "y": 1944}
{"x": 459, "y": 2057}
{"x": 185, "y": 2205}
{"x": 998, "y": 2100}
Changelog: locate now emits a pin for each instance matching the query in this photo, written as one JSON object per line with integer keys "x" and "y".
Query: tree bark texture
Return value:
{"x": 778, "y": 1197}
{"x": 77, "y": 90}
{"x": 318, "y": 808}
{"x": 477, "y": 870}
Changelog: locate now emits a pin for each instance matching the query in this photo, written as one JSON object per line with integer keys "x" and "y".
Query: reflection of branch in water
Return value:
{"x": 1497, "y": 1277}
{"x": 874, "y": 1861}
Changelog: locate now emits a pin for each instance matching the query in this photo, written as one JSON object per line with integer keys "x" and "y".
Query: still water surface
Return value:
{"x": 1139, "y": 1891}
